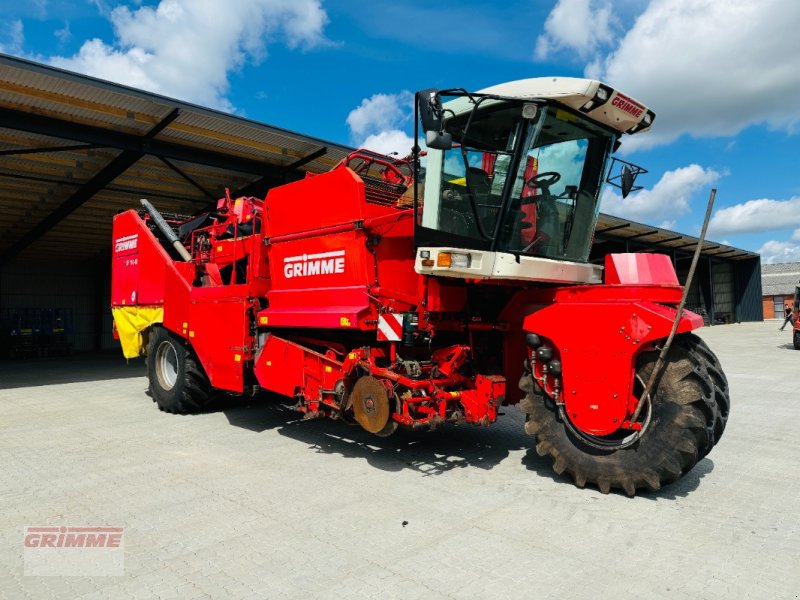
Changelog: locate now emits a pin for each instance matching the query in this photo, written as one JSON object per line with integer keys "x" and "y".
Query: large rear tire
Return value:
{"x": 689, "y": 411}
{"x": 178, "y": 383}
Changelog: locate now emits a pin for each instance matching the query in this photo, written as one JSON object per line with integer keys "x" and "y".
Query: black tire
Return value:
{"x": 690, "y": 410}
{"x": 178, "y": 383}
{"x": 796, "y": 339}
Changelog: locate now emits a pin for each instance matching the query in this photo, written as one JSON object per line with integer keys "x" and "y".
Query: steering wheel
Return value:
{"x": 543, "y": 181}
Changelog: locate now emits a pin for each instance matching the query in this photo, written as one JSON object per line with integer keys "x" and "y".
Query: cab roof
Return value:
{"x": 597, "y": 100}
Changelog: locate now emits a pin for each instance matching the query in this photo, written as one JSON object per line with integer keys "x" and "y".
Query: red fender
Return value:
{"x": 597, "y": 332}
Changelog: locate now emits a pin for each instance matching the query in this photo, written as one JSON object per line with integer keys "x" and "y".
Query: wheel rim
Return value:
{"x": 166, "y": 365}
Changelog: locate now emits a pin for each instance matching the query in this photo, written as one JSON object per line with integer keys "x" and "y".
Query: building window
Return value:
{"x": 779, "y": 306}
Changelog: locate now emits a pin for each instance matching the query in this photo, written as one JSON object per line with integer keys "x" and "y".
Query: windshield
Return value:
{"x": 540, "y": 176}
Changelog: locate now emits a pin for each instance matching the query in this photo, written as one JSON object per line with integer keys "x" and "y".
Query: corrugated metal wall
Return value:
{"x": 694, "y": 299}
{"x": 82, "y": 288}
{"x": 725, "y": 291}
{"x": 747, "y": 283}
{"x": 722, "y": 285}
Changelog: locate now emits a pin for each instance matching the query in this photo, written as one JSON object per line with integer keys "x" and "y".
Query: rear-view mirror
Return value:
{"x": 626, "y": 174}
{"x": 430, "y": 110}
{"x": 626, "y": 181}
{"x": 438, "y": 140}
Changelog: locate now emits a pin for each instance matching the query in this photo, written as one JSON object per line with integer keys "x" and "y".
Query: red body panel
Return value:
{"x": 223, "y": 350}
{"x": 289, "y": 369}
{"x": 322, "y": 272}
{"x": 598, "y": 362}
{"x": 639, "y": 268}
{"x": 325, "y": 200}
{"x": 139, "y": 263}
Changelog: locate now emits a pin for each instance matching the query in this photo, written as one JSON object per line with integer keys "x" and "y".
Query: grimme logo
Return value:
{"x": 129, "y": 242}
{"x": 74, "y": 551}
{"x": 628, "y": 105}
{"x": 73, "y": 537}
{"x": 304, "y": 265}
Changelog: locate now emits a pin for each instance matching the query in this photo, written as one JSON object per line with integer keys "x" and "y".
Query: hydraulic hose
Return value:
{"x": 166, "y": 230}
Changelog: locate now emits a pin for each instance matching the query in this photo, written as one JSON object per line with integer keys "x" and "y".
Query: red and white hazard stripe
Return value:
{"x": 390, "y": 327}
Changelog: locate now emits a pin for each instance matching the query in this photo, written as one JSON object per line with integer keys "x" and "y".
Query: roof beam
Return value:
{"x": 638, "y": 235}
{"x": 88, "y": 134}
{"x": 672, "y": 239}
{"x": 42, "y": 150}
{"x": 106, "y": 175}
{"x": 306, "y": 159}
{"x": 607, "y": 229}
{"x": 71, "y": 204}
{"x": 191, "y": 181}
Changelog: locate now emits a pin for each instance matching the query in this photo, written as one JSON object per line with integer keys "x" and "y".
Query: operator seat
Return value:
{"x": 478, "y": 181}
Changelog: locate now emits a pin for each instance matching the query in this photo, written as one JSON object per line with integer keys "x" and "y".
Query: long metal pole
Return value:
{"x": 662, "y": 357}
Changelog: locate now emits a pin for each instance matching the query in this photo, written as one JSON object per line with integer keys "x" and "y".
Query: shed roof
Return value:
{"x": 74, "y": 150}
{"x": 665, "y": 240}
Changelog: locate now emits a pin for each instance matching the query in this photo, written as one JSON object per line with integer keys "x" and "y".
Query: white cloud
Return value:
{"x": 579, "y": 26}
{"x": 669, "y": 198}
{"x": 757, "y": 215}
{"x": 393, "y": 141}
{"x": 377, "y": 123}
{"x": 12, "y": 36}
{"x": 780, "y": 252}
{"x": 187, "y": 48}
{"x": 710, "y": 68}
{"x": 64, "y": 34}
{"x": 380, "y": 112}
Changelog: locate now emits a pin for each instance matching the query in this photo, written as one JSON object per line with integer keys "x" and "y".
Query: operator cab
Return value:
{"x": 513, "y": 176}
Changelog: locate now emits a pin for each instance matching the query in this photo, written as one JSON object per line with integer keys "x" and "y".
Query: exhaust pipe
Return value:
{"x": 166, "y": 230}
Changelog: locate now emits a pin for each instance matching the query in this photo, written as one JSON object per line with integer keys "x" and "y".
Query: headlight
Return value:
{"x": 453, "y": 259}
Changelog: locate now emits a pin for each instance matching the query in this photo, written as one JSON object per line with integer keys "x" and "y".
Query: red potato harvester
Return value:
{"x": 409, "y": 293}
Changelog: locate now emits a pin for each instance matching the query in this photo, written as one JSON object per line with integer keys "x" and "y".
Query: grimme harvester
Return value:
{"x": 407, "y": 293}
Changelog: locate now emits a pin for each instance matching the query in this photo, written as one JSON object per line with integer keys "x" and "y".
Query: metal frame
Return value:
{"x": 107, "y": 174}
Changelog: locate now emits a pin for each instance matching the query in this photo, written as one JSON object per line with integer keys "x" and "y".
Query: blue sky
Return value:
{"x": 722, "y": 76}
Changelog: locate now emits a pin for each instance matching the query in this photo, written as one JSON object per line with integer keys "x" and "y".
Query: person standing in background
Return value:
{"x": 788, "y": 317}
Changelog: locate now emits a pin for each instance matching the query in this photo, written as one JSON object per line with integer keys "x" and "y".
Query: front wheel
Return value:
{"x": 689, "y": 411}
{"x": 796, "y": 339}
{"x": 178, "y": 383}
